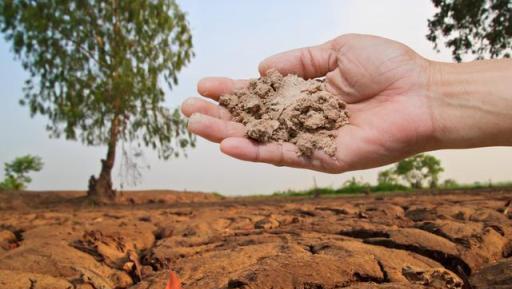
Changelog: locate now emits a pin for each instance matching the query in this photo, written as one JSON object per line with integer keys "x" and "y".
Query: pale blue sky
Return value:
{"x": 230, "y": 38}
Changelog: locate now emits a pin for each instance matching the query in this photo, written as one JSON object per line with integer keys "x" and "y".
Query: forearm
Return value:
{"x": 471, "y": 103}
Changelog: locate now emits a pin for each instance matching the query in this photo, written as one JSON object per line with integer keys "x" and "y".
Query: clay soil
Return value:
{"x": 424, "y": 240}
{"x": 277, "y": 108}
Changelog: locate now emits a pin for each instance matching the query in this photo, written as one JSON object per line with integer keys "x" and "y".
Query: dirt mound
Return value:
{"x": 19, "y": 200}
{"x": 276, "y": 108}
{"x": 418, "y": 242}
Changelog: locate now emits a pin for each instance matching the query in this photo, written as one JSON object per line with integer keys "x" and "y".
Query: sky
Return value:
{"x": 230, "y": 39}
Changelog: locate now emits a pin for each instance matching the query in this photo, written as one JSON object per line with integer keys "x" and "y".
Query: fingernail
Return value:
{"x": 190, "y": 101}
{"x": 202, "y": 87}
{"x": 196, "y": 118}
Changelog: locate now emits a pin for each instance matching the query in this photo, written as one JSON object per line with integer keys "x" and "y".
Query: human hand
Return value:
{"x": 386, "y": 87}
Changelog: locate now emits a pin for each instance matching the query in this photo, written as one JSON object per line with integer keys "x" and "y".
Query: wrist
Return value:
{"x": 471, "y": 103}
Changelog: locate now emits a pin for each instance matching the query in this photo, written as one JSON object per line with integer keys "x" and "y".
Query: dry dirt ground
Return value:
{"x": 457, "y": 240}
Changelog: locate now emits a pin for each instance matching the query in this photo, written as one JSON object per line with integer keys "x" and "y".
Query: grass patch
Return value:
{"x": 353, "y": 189}
{"x": 476, "y": 185}
{"x": 357, "y": 188}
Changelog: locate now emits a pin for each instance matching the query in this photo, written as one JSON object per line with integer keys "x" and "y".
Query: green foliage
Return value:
{"x": 353, "y": 185}
{"x": 419, "y": 170}
{"x": 450, "y": 184}
{"x": 10, "y": 183}
{"x": 350, "y": 187}
{"x": 478, "y": 27}
{"x": 97, "y": 67}
{"x": 387, "y": 177}
{"x": 415, "y": 171}
{"x": 16, "y": 172}
{"x": 389, "y": 187}
{"x": 453, "y": 185}
{"x": 388, "y": 181}
{"x": 408, "y": 175}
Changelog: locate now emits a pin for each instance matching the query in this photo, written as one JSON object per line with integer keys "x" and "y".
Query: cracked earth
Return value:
{"x": 418, "y": 241}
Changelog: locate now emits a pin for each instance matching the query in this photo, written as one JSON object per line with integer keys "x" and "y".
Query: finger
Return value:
{"x": 214, "y": 87}
{"x": 307, "y": 62}
{"x": 273, "y": 153}
{"x": 214, "y": 129}
{"x": 197, "y": 105}
{"x": 279, "y": 154}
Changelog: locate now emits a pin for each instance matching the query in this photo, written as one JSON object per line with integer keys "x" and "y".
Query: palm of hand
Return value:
{"x": 386, "y": 85}
{"x": 384, "y": 82}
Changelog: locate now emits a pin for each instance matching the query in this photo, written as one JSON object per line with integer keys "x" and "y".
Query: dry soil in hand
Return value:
{"x": 277, "y": 108}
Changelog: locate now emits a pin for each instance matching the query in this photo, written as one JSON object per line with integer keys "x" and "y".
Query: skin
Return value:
{"x": 399, "y": 103}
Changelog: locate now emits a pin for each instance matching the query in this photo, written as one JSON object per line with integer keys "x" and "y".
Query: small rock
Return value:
{"x": 266, "y": 223}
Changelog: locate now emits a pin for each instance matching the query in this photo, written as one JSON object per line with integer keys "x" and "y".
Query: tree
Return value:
{"x": 387, "y": 177}
{"x": 354, "y": 185}
{"x": 450, "y": 184}
{"x": 419, "y": 169}
{"x": 96, "y": 71}
{"x": 415, "y": 171}
{"x": 482, "y": 28}
{"x": 16, "y": 172}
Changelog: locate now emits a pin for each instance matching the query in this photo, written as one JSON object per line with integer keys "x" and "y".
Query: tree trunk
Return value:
{"x": 100, "y": 189}
{"x": 417, "y": 185}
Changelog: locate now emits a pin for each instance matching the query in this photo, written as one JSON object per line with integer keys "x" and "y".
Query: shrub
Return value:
{"x": 16, "y": 172}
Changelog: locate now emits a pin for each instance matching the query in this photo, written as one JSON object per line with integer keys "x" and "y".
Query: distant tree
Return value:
{"x": 450, "y": 184}
{"x": 354, "y": 185}
{"x": 387, "y": 177}
{"x": 482, "y": 28}
{"x": 16, "y": 172}
{"x": 96, "y": 71}
{"x": 419, "y": 170}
